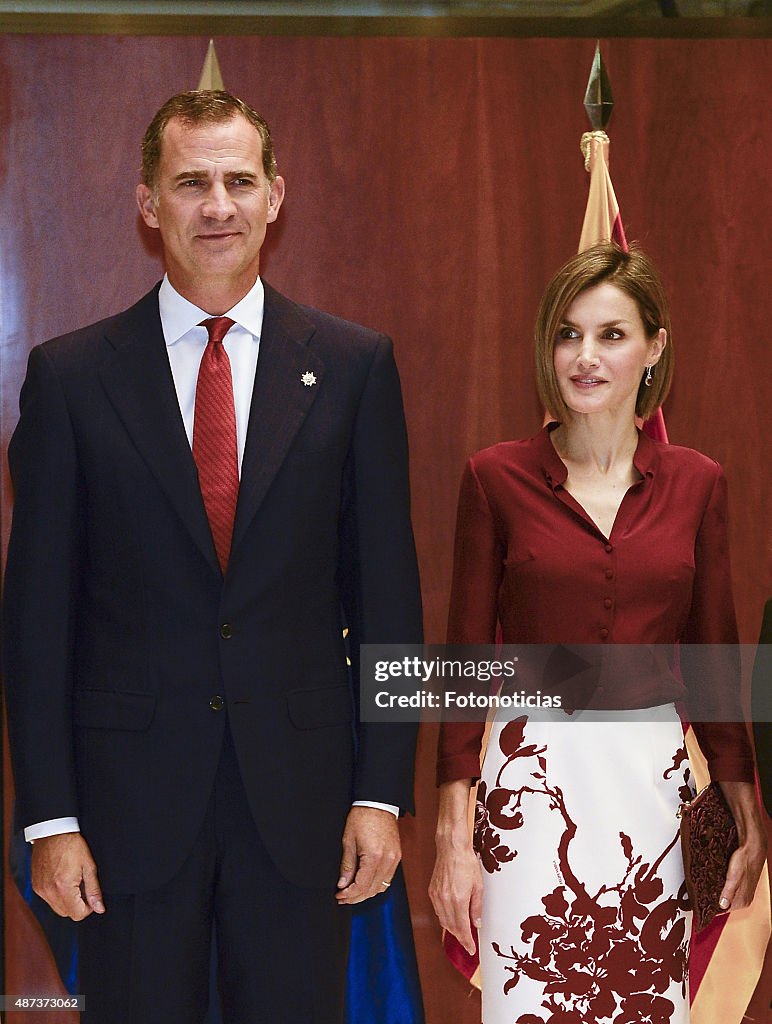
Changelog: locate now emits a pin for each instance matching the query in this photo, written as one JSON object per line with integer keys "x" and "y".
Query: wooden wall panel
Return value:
{"x": 433, "y": 187}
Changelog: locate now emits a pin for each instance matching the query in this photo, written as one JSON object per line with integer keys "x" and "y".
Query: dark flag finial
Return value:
{"x": 598, "y": 101}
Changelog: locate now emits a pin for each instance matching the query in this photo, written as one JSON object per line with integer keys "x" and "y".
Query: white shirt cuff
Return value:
{"x": 52, "y": 827}
{"x": 391, "y": 808}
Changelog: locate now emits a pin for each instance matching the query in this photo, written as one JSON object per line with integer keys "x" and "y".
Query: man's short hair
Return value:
{"x": 634, "y": 274}
{"x": 202, "y": 106}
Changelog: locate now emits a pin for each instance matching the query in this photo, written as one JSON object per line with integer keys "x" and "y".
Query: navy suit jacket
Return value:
{"x": 125, "y": 648}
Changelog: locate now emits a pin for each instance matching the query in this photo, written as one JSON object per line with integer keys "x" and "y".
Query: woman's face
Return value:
{"x": 601, "y": 351}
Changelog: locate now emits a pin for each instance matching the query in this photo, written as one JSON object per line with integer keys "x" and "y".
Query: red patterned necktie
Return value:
{"x": 214, "y": 437}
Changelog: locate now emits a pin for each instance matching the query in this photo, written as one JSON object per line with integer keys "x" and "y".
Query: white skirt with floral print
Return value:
{"x": 584, "y": 908}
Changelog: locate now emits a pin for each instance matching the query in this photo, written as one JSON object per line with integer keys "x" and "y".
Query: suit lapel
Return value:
{"x": 139, "y": 383}
{"x": 280, "y": 402}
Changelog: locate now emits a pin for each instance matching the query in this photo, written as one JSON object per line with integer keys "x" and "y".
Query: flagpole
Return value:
{"x": 602, "y": 220}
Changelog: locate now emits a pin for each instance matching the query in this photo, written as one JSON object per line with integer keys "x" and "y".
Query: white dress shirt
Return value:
{"x": 185, "y": 344}
{"x": 186, "y": 341}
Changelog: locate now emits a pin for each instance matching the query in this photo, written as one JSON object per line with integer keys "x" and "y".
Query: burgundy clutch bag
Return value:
{"x": 708, "y": 840}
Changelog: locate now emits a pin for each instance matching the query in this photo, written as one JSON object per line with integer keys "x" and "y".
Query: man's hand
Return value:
{"x": 371, "y": 853}
{"x": 65, "y": 876}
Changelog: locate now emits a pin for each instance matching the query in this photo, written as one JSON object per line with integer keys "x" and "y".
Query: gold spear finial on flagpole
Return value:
{"x": 601, "y": 218}
{"x": 598, "y": 101}
{"x": 211, "y": 78}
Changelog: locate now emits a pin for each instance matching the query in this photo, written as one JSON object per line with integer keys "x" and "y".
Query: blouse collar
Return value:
{"x": 555, "y": 470}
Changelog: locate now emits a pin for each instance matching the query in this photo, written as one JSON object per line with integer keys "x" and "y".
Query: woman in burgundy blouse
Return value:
{"x": 592, "y": 533}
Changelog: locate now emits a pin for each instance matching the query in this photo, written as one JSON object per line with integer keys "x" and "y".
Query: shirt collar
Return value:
{"x": 556, "y": 472}
{"x": 178, "y": 315}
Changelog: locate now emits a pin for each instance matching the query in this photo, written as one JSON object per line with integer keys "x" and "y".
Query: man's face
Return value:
{"x": 211, "y": 204}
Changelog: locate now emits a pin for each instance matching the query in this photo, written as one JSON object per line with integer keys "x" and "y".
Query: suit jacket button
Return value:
{"x": 217, "y": 703}
{"x": 226, "y": 631}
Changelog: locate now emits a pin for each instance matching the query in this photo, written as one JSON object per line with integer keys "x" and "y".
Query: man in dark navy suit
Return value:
{"x": 208, "y": 486}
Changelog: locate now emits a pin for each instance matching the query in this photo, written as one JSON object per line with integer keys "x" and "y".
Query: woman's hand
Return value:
{"x": 456, "y": 885}
{"x": 748, "y": 860}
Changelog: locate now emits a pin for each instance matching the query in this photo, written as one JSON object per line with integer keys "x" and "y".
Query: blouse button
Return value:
{"x": 607, "y": 602}
{"x": 609, "y": 574}
{"x": 604, "y": 633}
{"x": 609, "y": 547}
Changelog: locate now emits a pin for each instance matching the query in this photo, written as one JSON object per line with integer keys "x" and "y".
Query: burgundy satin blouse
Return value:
{"x": 529, "y": 557}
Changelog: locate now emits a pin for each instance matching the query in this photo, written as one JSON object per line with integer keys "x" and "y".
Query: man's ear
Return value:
{"x": 275, "y": 198}
{"x": 146, "y": 204}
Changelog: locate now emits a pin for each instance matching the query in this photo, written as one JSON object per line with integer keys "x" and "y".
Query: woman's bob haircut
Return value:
{"x": 634, "y": 274}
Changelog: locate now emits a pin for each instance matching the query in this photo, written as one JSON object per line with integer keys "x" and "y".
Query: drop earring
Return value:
{"x": 647, "y": 378}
